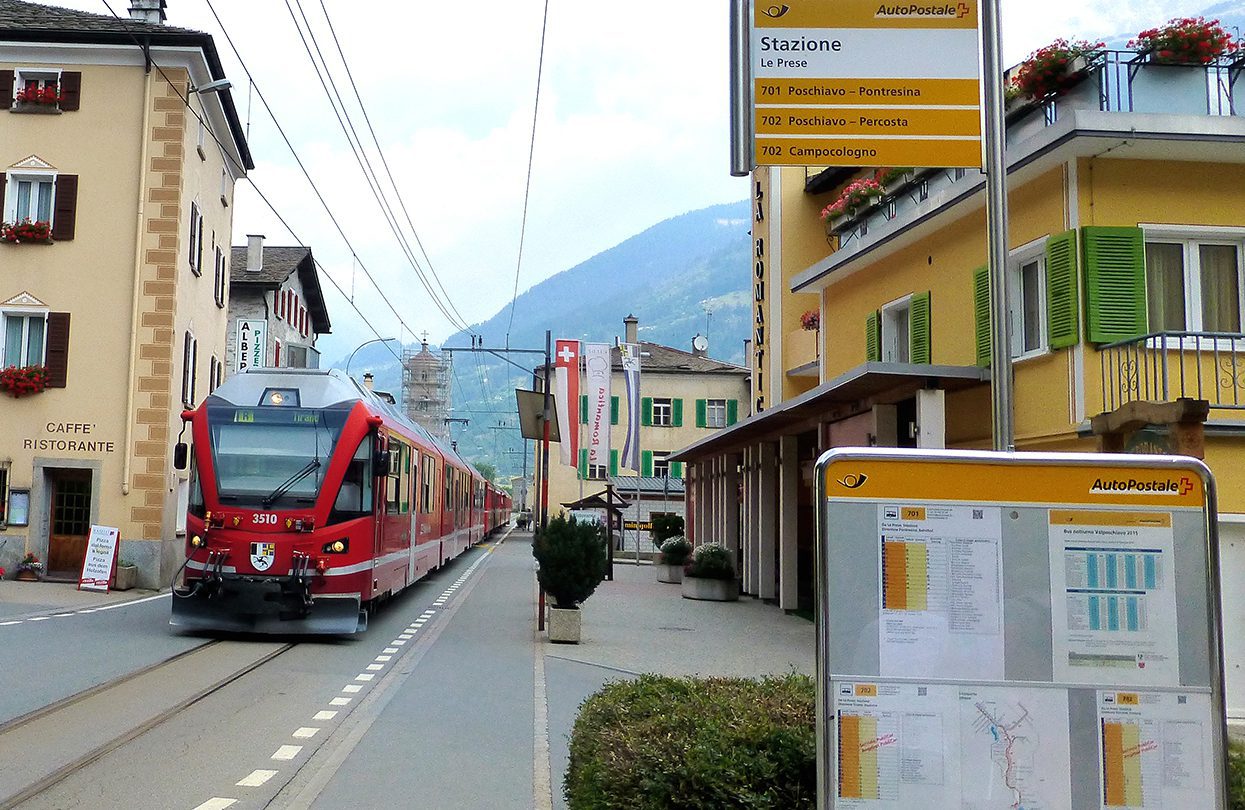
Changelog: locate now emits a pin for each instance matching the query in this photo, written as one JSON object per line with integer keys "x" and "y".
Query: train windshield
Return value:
{"x": 272, "y": 457}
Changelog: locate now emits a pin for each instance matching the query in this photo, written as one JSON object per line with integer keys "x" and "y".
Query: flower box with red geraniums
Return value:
{"x": 26, "y": 232}
{"x": 1053, "y": 70}
{"x": 24, "y": 380}
{"x": 857, "y": 195}
{"x": 1185, "y": 41}
{"x": 48, "y": 96}
{"x": 811, "y": 321}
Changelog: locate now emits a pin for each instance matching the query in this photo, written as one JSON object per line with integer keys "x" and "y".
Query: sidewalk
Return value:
{"x": 26, "y": 599}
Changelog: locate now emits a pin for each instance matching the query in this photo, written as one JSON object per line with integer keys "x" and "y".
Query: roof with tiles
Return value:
{"x": 18, "y": 14}
{"x": 279, "y": 264}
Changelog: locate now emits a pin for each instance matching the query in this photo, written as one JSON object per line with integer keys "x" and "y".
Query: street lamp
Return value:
{"x": 360, "y": 346}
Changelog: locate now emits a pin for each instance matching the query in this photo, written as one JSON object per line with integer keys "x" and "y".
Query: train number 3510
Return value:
{"x": 261, "y": 519}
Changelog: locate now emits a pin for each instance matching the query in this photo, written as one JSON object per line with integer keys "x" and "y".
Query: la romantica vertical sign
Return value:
{"x": 866, "y": 83}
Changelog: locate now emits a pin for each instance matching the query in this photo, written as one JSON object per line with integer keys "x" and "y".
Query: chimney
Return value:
{"x": 367, "y": 381}
{"x": 254, "y": 252}
{"x": 632, "y": 324}
{"x": 148, "y": 11}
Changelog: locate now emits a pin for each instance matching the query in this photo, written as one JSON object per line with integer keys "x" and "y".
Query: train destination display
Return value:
{"x": 1017, "y": 630}
{"x": 859, "y": 83}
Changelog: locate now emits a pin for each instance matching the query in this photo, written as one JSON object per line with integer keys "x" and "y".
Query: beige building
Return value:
{"x": 118, "y": 284}
{"x": 684, "y": 397}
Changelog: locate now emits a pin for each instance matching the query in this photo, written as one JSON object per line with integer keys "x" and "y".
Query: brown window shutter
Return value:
{"x": 6, "y": 88}
{"x": 71, "y": 89}
{"x": 4, "y": 184}
{"x": 65, "y": 213}
{"x": 57, "y": 358}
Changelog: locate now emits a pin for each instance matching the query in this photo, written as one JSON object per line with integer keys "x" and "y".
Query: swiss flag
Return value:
{"x": 566, "y": 365}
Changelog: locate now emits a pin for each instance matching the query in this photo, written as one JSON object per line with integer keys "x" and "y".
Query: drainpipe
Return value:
{"x": 138, "y": 290}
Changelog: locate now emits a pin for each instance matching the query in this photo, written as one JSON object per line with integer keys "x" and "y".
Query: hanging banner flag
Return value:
{"x": 566, "y": 391}
{"x": 597, "y": 387}
{"x": 631, "y": 376}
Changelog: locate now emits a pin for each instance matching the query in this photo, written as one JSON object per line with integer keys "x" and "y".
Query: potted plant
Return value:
{"x": 30, "y": 569}
{"x": 1053, "y": 70}
{"x": 26, "y": 232}
{"x": 810, "y": 321}
{"x": 673, "y": 556}
{"x": 1184, "y": 41}
{"x": 855, "y": 197}
{"x": 127, "y": 575}
{"x": 33, "y": 98}
{"x": 572, "y": 559}
{"x": 24, "y": 380}
{"x": 710, "y": 575}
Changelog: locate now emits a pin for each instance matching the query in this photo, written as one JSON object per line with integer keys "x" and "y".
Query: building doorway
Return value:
{"x": 69, "y": 521}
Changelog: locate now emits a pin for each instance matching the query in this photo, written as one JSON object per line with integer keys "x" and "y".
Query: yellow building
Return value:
{"x": 1127, "y": 247}
{"x": 684, "y": 396}
{"x": 107, "y": 137}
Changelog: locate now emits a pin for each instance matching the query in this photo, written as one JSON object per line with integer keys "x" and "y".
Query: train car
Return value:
{"x": 311, "y": 501}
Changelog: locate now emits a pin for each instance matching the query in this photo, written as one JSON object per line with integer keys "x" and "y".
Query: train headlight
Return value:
{"x": 196, "y": 542}
{"x": 337, "y": 546}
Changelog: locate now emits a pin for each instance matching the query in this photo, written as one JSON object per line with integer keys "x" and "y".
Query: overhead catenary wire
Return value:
{"x": 241, "y": 170}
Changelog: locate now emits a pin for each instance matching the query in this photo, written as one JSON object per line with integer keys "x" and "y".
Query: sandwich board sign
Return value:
{"x": 1036, "y": 630}
{"x": 100, "y": 560}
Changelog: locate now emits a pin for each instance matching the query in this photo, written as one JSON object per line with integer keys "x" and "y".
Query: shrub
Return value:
{"x": 572, "y": 559}
{"x": 662, "y": 742}
{"x": 675, "y": 551}
{"x": 1236, "y": 775}
{"x": 665, "y": 527}
{"x": 711, "y": 561}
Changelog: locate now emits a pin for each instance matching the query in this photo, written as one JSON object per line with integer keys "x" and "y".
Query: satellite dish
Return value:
{"x": 700, "y": 343}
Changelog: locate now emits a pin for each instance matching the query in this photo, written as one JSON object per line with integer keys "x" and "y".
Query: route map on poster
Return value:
{"x": 1014, "y": 749}
{"x": 940, "y": 574}
{"x": 1155, "y": 750}
{"x": 1113, "y": 597}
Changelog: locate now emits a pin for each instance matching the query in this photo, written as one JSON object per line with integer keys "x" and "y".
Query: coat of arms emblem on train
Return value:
{"x": 262, "y": 555}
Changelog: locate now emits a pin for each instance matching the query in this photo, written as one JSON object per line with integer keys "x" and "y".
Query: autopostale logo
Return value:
{"x": 1141, "y": 486}
{"x": 921, "y": 11}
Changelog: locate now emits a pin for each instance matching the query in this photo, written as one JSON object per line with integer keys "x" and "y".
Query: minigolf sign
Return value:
{"x": 100, "y": 560}
{"x": 1031, "y": 630}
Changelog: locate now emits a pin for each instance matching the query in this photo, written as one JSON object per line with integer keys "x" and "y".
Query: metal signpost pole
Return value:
{"x": 996, "y": 224}
{"x": 741, "y": 90}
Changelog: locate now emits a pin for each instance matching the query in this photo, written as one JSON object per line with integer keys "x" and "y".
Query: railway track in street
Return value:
{"x": 46, "y": 746}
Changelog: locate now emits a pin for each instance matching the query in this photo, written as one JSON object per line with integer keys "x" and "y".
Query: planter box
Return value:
{"x": 1172, "y": 89}
{"x": 564, "y": 625}
{"x": 127, "y": 577}
{"x": 669, "y": 573}
{"x": 32, "y": 108}
{"x": 710, "y": 590}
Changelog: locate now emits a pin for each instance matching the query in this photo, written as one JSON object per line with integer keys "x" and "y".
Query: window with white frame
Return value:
{"x": 597, "y": 472}
{"x": 190, "y": 352}
{"x": 896, "y": 329}
{"x": 196, "y": 239}
{"x": 1026, "y": 279}
{"x": 1193, "y": 283}
{"x": 29, "y": 196}
{"x": 24, "y": 338}
{"x": 663, "y": 411}
{"x": 661, "y": 464}
{"x": 218, "y": 284}
{"x": 715, "y": 413}
{"x": 29, "y": 83}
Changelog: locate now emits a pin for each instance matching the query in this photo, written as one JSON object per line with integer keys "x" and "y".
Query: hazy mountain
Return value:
{"x": 683, "y": 276}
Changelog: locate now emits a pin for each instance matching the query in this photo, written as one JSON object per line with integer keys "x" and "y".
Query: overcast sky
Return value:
{"x": 632, "y": 130}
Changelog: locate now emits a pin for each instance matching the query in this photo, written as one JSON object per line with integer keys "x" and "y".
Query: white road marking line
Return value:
{"x": 364, "y": 676}
{"x": 216, "y": 803}
{"x": 375, "y": 667}
{"x": 352, "y": 688}
{"x": 256, "y": 778}
{"x": 428, "y": 613}
{"x": 339, "y": 701}
{"x": 324, "y": 715}
{"x": 391, "y": 649}
{"x": 61, "y": 615}
{"x": 306, "y": 733}
{"x": 139, "y": 602}
{"x": 398, "y": 643}
{"x": 404, "y": 637}
{"x": 6, "y": 624}
{"x": 287, "y": 752}
{"x": 87, "y": 610}
{"x": 383, "y": 658}
{"x": 40, "y": 618}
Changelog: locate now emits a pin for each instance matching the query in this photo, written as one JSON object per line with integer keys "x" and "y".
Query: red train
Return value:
{"x": 312, "y": 500}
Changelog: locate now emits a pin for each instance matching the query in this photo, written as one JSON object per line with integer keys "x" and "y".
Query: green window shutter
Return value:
{"x": 918, "y": 329}
{"x": 583, "y": 409}
{"x": 613, "y": 410}
{"x": 873, "y": 336}
{"x": 732, "y": 411}
{"x": 646, "y": 463}
{"x": 677, "y": 408}
{"x": 702, "y": 418}
{"x": 613, "y": 462}
{"x": 981, "y": 314}
{"x": 676, "y": 469}
{"x": 1062, "y": 305}
{"x": 646, "y": 411}
{"x": 1115, "y": 283}
{"x": 583, "y": 463}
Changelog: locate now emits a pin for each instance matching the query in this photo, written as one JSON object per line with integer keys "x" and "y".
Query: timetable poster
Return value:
{"x": 941, "y": 585}
{"x": 1155, "y": 750}
{"x": 1113, "y": 597}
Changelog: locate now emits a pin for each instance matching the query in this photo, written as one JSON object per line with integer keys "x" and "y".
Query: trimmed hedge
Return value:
{"x": 1236, "y": 775}
{"x": 662, "y": 742}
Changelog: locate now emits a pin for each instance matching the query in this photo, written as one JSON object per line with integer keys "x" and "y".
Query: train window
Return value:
{"x": 449, "y": 488}
{"x": 394, "y": 483}
{"x": 194, "y": 501}
{"x": 405, "y": 466}
{"x": 426, "y": 484}
{"x": 354, "y": 499}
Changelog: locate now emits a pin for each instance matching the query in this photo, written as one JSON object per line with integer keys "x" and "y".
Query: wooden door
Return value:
{"x": 70, "y": 521}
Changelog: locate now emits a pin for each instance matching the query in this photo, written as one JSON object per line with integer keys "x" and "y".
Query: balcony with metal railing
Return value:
{"x": 1166, "y": 366}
